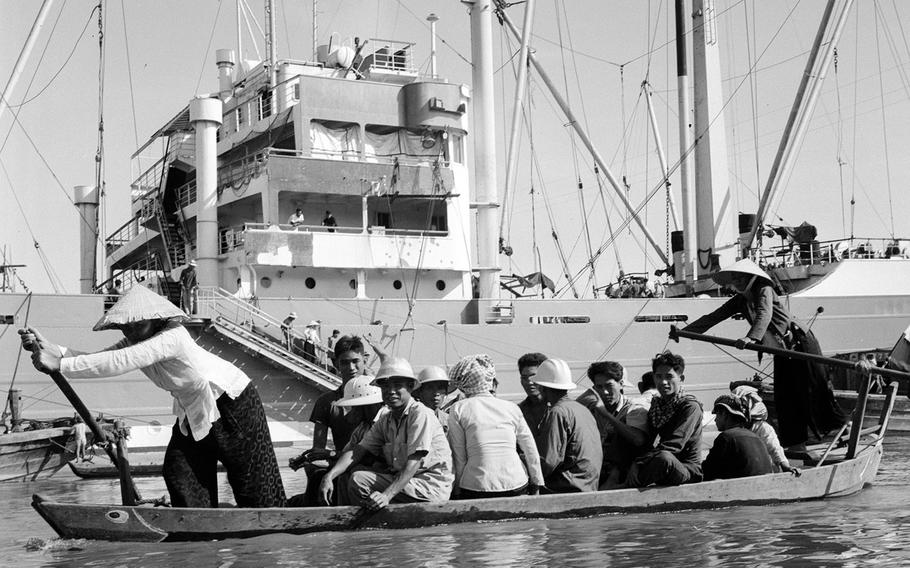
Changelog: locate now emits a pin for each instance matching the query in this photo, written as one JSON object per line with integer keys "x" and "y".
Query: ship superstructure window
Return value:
{"x": 265, "y": 104}
{"x": 335, "y": 140}
{"x": 457, "y": 148}
{"x": 240, "y": 117}
{"x": 383, "y": 143}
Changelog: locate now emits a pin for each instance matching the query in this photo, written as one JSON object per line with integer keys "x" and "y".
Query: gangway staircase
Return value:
{"x": 243, "y": 324}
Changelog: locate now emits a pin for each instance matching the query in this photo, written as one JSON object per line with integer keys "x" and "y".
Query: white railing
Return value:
{"x": 215, "y": 302}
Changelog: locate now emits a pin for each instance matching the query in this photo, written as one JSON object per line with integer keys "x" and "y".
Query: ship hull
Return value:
{"x": 630, "y": 331}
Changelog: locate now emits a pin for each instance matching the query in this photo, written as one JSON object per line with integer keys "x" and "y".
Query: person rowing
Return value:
{"x": 219, "y": 414}
{"x": 802, "y": 393}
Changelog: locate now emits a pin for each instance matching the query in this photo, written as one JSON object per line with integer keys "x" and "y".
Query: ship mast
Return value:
{"x": 685, "y": 272}
{"x": 485, "y": 193}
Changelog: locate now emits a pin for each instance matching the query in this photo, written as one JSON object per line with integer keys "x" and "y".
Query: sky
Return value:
{"x": 159, "y": 53}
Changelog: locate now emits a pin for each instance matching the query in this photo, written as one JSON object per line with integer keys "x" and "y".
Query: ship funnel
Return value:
{"x": 226, "y": 61}
{"x": 86, "y": 201}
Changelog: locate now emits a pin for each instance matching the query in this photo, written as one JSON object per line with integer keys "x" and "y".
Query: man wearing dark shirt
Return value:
{"x": 326, "y": 416}
{"x": 568, "y": 442}
{"x": 676, "y": 419}
{"x": 533, "y": 407}
{"x": 737, "y": 451}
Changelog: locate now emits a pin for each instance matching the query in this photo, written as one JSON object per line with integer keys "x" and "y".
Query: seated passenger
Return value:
{"x": 737, "y": 451}
{"x": 533, "y": 406}
{"x": 326, "y": 415}
{"x": 484, "y": 432}
{"x": 675, "y": 418}
{"x": 568, "y": 442}
{"x": 758, "y": 422}
{"x": 623, "y": 425}
{"x": 365, "y": 403}
{"x": 432, "y": 388}
{"x": 410, "y": 440}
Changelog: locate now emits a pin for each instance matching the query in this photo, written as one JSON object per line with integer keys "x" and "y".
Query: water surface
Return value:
{"x": 867, "y": 529}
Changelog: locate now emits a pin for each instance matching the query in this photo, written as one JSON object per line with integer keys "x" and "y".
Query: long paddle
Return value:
{"x": 128, "y": 491}
{"x": 676, "y": 333}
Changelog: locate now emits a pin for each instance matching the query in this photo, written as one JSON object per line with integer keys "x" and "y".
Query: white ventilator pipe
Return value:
{"x": 85, "y": 198}
{"x": 205, "y": 115}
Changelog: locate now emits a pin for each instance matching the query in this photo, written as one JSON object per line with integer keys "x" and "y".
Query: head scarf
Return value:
{"x": 752, "y": 402}
{"x": 474, "y": 374}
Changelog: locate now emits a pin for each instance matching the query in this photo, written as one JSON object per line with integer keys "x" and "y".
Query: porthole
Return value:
{"x": 265, "y": 281}
{"x": 310, "y": 283}
{"x": 440, "y": 285}
{"x": 396, "y": 284}
{"x": 353, "y": 284}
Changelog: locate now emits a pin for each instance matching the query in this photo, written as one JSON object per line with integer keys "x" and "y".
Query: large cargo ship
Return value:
{"x": 393, "y": 244}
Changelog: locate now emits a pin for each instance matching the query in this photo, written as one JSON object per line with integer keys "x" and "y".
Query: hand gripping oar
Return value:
{"x": 676, "y": 333}
{"x": 128, "y": 491}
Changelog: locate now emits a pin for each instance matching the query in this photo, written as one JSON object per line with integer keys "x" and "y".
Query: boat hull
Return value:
{"x": 26, "y": 456}
{"x": 144, "y": 524}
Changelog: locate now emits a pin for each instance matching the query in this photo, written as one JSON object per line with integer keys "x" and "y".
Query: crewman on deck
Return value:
{"x": 623, "y": 423}
{"x": 410, "y": 440}
{"x": 533, "y": 407}
{"x": 675, "y": 417}
{"x": 737, "y": 451}
{"x": 569, "y": 442}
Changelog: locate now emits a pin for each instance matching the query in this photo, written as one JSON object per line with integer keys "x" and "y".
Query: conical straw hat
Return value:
{"x": 744, "y": 266}
{"x": 138, "y": 304}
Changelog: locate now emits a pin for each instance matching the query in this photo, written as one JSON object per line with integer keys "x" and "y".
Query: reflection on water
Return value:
{"x": 867, "y": 529}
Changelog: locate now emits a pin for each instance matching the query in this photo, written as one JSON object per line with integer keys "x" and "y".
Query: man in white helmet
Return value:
{"x": 418, "y": 461}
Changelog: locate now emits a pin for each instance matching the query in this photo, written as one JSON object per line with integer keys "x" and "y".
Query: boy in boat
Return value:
{"x": 409, "y": 438}
{"x": 432, "y": 388}
{"x": 622, "y": 423}
{"x": 328, "y": 416}
{"x": 364, "y": 401}
{"x": 568, "y": 442}
{"x": 533, "y": 407}
{"x": 675, "y": 417}
{"x": 737, "y": 451}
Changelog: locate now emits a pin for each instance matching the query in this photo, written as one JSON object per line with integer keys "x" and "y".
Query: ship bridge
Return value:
{"x": 373, "y": 156}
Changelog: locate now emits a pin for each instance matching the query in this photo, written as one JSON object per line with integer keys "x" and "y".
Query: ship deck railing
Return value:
{"x": 122, "y": 235}
{"x": 826, "y": 252}
{"x": 232, "y": 238}
{"x": 214, "y": 303}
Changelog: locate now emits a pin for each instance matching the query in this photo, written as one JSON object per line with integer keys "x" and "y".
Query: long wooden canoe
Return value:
{"x": 157, "y": 524}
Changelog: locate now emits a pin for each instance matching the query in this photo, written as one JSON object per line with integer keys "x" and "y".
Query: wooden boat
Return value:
{"x": 158, "y": 524}
{"x": 105, "y": 469}
{"x": 26, "y": 456}
{"x": 846, "y": 466}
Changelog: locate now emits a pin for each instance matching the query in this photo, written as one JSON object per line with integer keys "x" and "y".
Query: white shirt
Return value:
{"x": 173, "y": 361}
{"x": 483, "y": 433}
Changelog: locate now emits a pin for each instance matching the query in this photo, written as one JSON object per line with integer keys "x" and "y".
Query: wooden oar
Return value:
{"x": 676, "y": 333}
{"x": 128, "y": 491}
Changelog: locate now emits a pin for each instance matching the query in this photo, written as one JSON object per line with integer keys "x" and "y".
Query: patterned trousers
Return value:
{"x": 240, "y": 440}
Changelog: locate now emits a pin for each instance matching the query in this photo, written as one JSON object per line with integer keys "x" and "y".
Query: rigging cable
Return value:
{"x": 574, "y": 146}
{"x": 45, "y": 262}
{"x": 205, "y": 58}
{"x": 840, "y": 146}
{"x": 881, "y": 87}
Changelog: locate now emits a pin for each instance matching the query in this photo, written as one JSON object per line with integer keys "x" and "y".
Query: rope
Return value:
{"x": 881, "y": 87}
{"x": 28, "y": 307}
